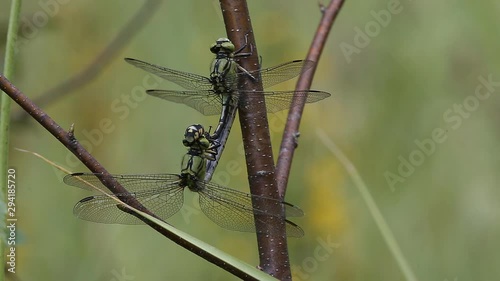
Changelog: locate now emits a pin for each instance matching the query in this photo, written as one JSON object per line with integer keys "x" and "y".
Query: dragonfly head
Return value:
{"x": 193, "y": 133}
{"x": 222, "y": 45}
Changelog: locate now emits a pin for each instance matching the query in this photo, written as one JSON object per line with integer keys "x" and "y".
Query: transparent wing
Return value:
{"x": 280, "y": 73}
{"x": 232, "y": 209}
{"x": 186, "y": 80}
{"x": 280, "y": 100}
{"x": 159, "y": 193}
{"x": 210, "y": 103}
{"x": 206, "y": 102}
{"x": 283, "y": 72}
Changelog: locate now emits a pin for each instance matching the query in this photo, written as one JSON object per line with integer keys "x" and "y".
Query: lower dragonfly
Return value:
{"x": 163, "y": 194}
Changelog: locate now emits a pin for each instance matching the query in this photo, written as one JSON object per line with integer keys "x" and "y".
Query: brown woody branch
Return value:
{"x": 271, "y": 236}
{"x": 289, "y": 141}
{"x": 68, "y": 140}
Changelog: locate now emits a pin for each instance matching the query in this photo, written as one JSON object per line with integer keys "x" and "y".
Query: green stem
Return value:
{"x": 5, "y": 102}
{"x": 382, "y": 225}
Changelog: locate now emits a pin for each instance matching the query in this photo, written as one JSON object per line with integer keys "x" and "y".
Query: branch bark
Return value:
{"x": 289, "y": 141}
{"x": 272, "y": 242}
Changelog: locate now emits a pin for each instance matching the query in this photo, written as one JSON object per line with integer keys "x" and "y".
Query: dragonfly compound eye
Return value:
{"x": 201, "y": 130}
{"x": 222, "y": 40}
{"x": 214, "y": 48}
{"x": 228, "y": 47}
{"x": 222, "y": 44}
{"x": 190, "y": 135}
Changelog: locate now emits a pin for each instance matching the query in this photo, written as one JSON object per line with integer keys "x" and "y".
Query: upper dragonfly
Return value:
{"x": 162, "y": 194}
{"x": 219, "y": 93}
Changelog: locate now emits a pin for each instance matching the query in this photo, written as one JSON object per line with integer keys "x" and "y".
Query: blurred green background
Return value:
{"x": 392, "y": 87}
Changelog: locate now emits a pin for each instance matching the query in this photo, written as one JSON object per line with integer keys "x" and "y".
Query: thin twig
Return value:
{"x": 94, "y": 69}
{"x": 382, "y": 225}
{"x": 288, "y": 143}
{"x": 271, "y": 233}
{"x": 68, "y": 140}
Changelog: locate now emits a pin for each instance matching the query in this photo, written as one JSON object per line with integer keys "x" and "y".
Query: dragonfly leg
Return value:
{"x": 238, "y": 52}
{"x": 245, "y": 71}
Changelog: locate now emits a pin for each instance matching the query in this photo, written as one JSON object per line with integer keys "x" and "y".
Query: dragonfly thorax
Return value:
{"x": 192, "y": 168}
{"x": 193, "y": 165}
{"x": 223, "y": 74}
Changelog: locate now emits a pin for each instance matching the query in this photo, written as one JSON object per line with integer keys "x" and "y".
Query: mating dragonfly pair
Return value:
{"x": 162, "y": 194}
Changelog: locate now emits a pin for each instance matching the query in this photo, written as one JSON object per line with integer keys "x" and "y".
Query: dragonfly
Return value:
{"x": 220, "y": 94}
{"x": 163, "y": 195}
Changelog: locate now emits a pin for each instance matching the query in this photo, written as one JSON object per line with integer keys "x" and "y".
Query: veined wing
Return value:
{"x": 233, "y": 210}
{"x": 159, "y": 193}
{"x": 283, "y": 72}
{"x": 205, "y": 101}
{"x": 210, "y": 103}
{"x": 280, "y": 73}
{"x": 281, "y": 100}
{"x": 189, "y": 81}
